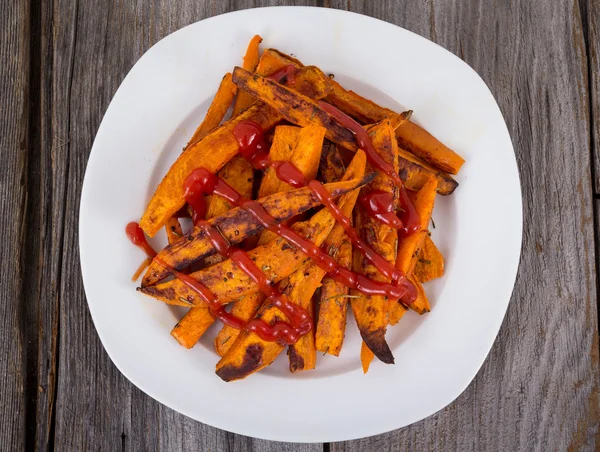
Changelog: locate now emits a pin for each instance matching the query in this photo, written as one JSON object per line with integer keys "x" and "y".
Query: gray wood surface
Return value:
{"x": 14, "y": 130}
{"x": 62, "y": 61}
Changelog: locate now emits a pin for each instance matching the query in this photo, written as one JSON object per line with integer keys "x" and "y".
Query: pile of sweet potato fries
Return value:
{"x": 302, "y": 116}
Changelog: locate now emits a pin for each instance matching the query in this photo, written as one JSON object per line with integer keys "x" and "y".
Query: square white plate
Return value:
{"x": 150, "y": 119}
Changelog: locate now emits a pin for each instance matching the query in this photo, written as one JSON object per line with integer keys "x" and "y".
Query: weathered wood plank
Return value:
{"x": 591, "y": 20}
{"x": 14, "y": 130}
{"x": 538, "y": 389}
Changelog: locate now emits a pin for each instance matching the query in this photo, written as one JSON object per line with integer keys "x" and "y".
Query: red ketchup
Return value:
{"x": 194, "y": 189}
{"x": 138, "y": 238}
{"x": 379, "y": 204}
{"x": 409, "y": 215}
{"x": 286, "y": 75}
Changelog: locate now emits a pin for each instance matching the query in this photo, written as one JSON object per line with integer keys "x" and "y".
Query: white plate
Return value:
{"x": 478, "y": 229}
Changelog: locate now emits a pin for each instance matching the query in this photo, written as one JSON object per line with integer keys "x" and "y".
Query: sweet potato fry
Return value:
{"x": 408, "y": 248}
{"x": 420, "y": 142}
{"x": 237, "y": 225}
{"x": 430, "y": 262}
{"x": 329, "y": 337}
{"x": 410, "y": 136}
{"x": 244, "y": 100}
{"x": 301, "y": 147}
{"x": 366, "y": 357}
{"x": 272, "y": 60}
{"x": 173, "y": 230}
{"x": 192, "y": 326}
{"x": 249, "y": 353}
{"x": 301, "y": 287}
{"x": 369, "y": 311}
{"x": 240, "y": 175}
{"x": 292, "y": 106}
{"x": 218, "y": 107}
{"x": 305, "y": 152}
{"x": 245, "y": 309}
{"x": 212, "y": 153}
{"x": 415, "y": 173}
{"x": 331, "y": 165}
{"x": 421, "y": 296}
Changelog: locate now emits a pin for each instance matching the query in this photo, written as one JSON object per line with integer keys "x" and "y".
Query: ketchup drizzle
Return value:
{"x": 251, "y": 141}
{"x": 379, "y": 204}
{"x": 138, "y": 238}
{"x": 286, "y": 75}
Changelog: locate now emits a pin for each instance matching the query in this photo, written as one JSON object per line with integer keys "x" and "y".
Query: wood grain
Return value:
{"x": 14, "y": 132}
{"x": 63, "y": 61}
{"x": 591, "y": 32}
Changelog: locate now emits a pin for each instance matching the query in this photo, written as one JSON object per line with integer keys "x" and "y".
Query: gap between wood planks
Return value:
{"x": 38, "y": 297}
{"x": 585, "y": 17}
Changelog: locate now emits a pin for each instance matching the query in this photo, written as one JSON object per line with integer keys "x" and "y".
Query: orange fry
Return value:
{"x": 218, "y": 107}
{"x": 244, "y": 100}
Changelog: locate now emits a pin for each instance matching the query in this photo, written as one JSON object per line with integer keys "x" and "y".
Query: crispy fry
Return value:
{"x": 249, "y": 353}
{"x": 245, "y": 309}
{"x": 305, "y": 144}
{"x": 370, "y": 311}
{"x": 301, "y": 287}
{"x": 173, "y": 229}
{"x": 272, "y": 60}
{"x": 218, "y": 107}
{"x": 293, "y": 106}
{"x": 331, "y": 166}
{"x": 244, "y": 100}
{"x": 192, "y": 326}
{"x": 366, "y": 357}
{"x": 329, "y": 337}
{"x": 410, "y": 136}
{"x": 408, "y": 248}
{"x": 430, "y": 262}
{"x": 237, "y": 225}
{"x": 420, "y": 142}
{"x": 169, "y": 196}
{"x": 422, "y": 299}
{"x": 415, "y": 173}
{"x": 240, "y": 175}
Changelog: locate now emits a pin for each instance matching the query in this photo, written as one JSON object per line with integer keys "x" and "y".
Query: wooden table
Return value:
{"x": 61, "y": 63}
